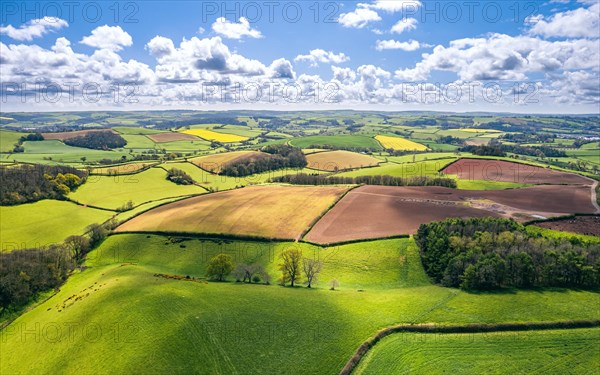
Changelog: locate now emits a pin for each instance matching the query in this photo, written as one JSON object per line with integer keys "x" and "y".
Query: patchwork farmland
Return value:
{"x": 299, "y": 242}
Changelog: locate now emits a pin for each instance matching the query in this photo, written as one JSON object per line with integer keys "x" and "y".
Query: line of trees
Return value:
{"x": 104, "y": 140}
{"x": 315, "y": 179}
{"x": 26, "y": 273}
{"x": 502, "y": 149}
{"x": 293, "y": 267}
{"x": 275, "y": 157}
{"x": 31, "y": 183}
{"x": 491, "y": 253}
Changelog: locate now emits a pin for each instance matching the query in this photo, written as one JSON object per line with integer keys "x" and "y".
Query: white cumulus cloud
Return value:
{"x": 34, "y": 28}
{"x": 411, "y": 45}
{"x": 317, "y": 56}
{"x": 581, "y": 22}
{"x": 403, "y": 25}
{"x": 358, "y": 18}
{"x": 112, "y": 38}
{"x": 235, "y": 30}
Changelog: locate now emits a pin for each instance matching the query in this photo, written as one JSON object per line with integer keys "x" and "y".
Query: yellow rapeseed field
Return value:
{"x": 400, "y": 144}
{"x": 210, "y": 135}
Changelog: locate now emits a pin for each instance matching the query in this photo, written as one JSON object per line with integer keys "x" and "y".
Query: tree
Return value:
{"x": 244, "y": 272}
{"x": 79, "y": 246}
{"x": 290, "y": 266}
{"x": 219, "y": 267}
{"x": 334, "y": 284}
{"x": 97, "y": 234}
{"x": 311, "y": 269}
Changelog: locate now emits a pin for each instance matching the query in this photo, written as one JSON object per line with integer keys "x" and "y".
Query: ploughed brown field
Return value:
{"x": 268, "y": 211}
{"x": 588, "y": 225}
{"x": 505, "y": 171}
{"x": 61, "y": 136}
{"x": 339, "y": 160}
{"x": 213, "y": 163}
{"x": 382, "y": 211}
{"x": 171, "y": 137}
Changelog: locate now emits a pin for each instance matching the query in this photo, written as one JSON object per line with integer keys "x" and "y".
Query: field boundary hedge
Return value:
{"x": 358, "y": 240}
{"x": 466, "y": 328}
{"x": 209, "y": 236}
{"x": 150, "y": 165}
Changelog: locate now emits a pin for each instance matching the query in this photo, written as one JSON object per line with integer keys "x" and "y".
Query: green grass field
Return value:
{"x": 113, "y": 192}
{"x": 56, "y": 151}
{"x": 486, "y": 184}
{"x": 136, "y": 141}
{"x": 184, "y": 146}
{"x": 420, "y": 168}
{"x": 336, "y": 141}
{"x": 8, "y": 139}
{"x": 45, "y": 222}
{"x": 126, "y": 130}
{"x": 541, "y": 352}
{"x": 174, "y": 326}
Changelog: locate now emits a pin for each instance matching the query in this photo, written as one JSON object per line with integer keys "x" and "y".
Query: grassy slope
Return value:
{"x": 58, "y": 151}
{"x": 45, "y": 222}
{"x": 183, "y": 327}
{"x": 136, "y": 141}
{"x": 136, "y": 130}
{"x": 548, "y": 352}
{"x": 337, "y": 141}
{"x": 113, "y": 192}
{"x": 8, "y": 139}
{"x": 184, "y": 146}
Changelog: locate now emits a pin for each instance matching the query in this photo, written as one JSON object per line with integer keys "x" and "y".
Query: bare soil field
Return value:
{"x": 61, "y": 136}
{"x": 544, "y": 198}
{"x": 339, "y": 160}
{"x": 499, "y": 170}
{"x": 383, "y": 211}
{"x": 588, "y": 225}
{"x": 172, "y": 136}
{"x": 213, "y": 163}
{"x": 278, "y": 212}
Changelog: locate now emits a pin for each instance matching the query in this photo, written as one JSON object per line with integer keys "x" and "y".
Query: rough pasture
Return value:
{"x": 382, "y": 211}
{"x": 339, "y": 160}
{"x": 279, "y": 212}
{"x": 213, "y": 163}
{"x": 170, "y": 137}
{"x": 61, "y": 136}
{"x": 505, "y": 171}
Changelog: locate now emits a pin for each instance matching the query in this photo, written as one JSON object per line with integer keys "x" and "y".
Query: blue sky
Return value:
{"x": 375, "y": 52}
